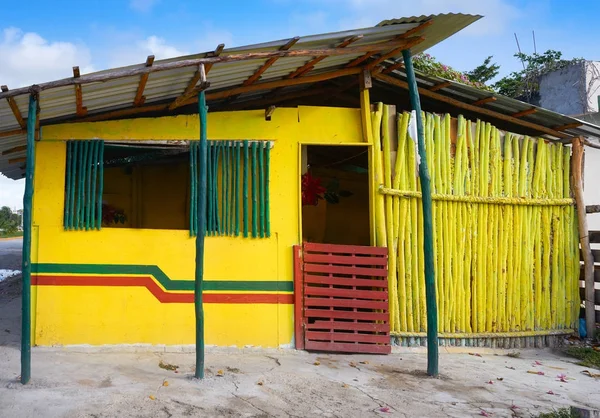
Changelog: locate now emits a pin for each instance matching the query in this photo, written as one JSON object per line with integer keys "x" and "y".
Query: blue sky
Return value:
{"x": 44, "y": 44}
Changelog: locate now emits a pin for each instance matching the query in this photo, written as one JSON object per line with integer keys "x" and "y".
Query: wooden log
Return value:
{"x": 393, "y": 67}
{"x": 568, "y": 126}
{"x": 391, "y": 54}
{"x": 14, "y": 149}
{"x": 139, "y": 95}
{"x": 592, "y": 209}
{"x": 17, "y": 160}
{"x": 80, "y": 109}
{"x": 484, "y": 101}
{"x": 13, "y": 133}
{"x": 524, "y": 112}
{"x": 457, "y": 103}
{"x": 15, "y": 109}
{"x": 588, "y": 260}
{"x": 590, "y": 144}
{"x": 440, "y": 86}
{"x": 254, "y": 77}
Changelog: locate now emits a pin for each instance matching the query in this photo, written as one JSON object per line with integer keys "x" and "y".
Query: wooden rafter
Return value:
{"x": 80, "y": 109}
{"x": 392, "y": 67}
{"x": 405, "y": 35}
{"x": 568, "y": 126}
{"x": 484, "y": 101}
{"x": 311, "y": 64}
{"x": 190, "y": 90}
{"x": 17, "y": 160}
{"x": 440, "y": 86}
{"x": 393, "y": 53}
{"x": 254, "y": 77}
{"x": 476, "y": 109}
{"x": 15, "y": 109}
{"x": 524, "y": 113}
{"x": 139, "y": 95}
{"x": 13, "y": 133}
{"x": 15, "y": 149}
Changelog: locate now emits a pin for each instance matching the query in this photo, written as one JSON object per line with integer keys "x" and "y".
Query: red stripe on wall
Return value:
{"x": 160, "y": 294}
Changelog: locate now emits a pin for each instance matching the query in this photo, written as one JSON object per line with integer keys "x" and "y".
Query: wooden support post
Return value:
{"x": 81, "y": 110}
{"x": 15, "y": 109}
{"x": 201, "y": 204}
{"x": 586, "y": 250}
{"x": 140, "y": 99}
{"x": 27, "y": 225}
{"x": 432, "y": 321}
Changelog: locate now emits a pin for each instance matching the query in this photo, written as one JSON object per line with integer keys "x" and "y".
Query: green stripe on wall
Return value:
{"x": 162, "y": 278}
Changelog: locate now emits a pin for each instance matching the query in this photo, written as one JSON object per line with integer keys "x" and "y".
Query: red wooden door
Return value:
{"x": 341, "y": 297}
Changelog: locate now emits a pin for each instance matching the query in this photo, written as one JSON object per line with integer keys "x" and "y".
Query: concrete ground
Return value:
{"x": 129, "y": 381}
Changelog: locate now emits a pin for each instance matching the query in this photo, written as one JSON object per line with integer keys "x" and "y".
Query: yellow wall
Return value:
{"x": 75, "y": 314}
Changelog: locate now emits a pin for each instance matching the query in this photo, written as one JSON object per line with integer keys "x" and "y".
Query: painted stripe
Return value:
{"x": 161, "y": 295}
{"x": 164, "y": 280}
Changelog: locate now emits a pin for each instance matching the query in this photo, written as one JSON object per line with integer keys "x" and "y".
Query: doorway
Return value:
{"x": 335, "y": 194}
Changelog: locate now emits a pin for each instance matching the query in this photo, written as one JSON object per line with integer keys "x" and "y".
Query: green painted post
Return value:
{"x": 237, "y": 188}
{"x": 94, "y": 182}
{"x": 73, "y": 182}
{"x": 193, "y": 185}
{"x": 254, "y": 192}
{"x": 100, "y": 183}
{"x": 26, "y": 265}
{"x": 88, "y": 189}
{"x": 209, "y": 201}
{"x": 432, "y": 331}
{"x": 261, "y": 190}
{"x": 267, "y": 176}
{"x": 68, "y": 184}
{"x": 245, "y": 187}
{"x": 198, "y": 303}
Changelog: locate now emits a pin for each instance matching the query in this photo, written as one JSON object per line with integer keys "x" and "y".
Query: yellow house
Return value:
{"x": 115, "y": 195}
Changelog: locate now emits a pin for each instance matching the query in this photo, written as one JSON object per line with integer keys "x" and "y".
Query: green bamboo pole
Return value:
{"x": 78, "y": 170}
{"x": 96, "y": 145}
{"x": 254, "y": 192}
{"x": 226, "y": 184}
{"x": 84, "y": 170}
{"x": 245, "y": 187}
{"x": 26, "y": 269}
{"x": 73, "y": 182}
{"x": 88, "y": 188}
{"x": 432, "y": 342}
{"x": 198, "y": 302}
{"x": 67, "y": 184}
{"x": 223, "y": 219}
{"x": 209, "y": 200}
{"x": 267, "y": 188}
{"x": 215, "y": 182}
{"x": 261, "y": 190}
{"x": 101, "y": 184}
{"x": 193, "y": 179}
{"x": 237, "y": 188}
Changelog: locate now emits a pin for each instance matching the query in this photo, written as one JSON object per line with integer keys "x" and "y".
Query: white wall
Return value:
{"x": 563, "y": 90}
{"x": 592, "y": 185}
{"x": 592, "y": 80}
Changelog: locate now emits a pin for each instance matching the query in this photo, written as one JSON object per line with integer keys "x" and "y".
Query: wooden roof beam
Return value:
{"x": 13, "y": 133}
{"x": 190, "y": 90}
{"x": 405, "y": 35}
{"x": 568, "y": 126}
{"x": 80, "y": 109}
{"x": 311, "y": 64}
{"x": 483, "y": 101}
{"x": 254, "y": 77}
{"x": 14, "y": 149}
{"x": 393, "y": 53}
{"x": 524, "y": 112}
{"x": 17, "y": 160}
{"x": 440, "y": 86}
{"x": 140, "y": 99}
{"x": 15, "y": 109}
{"x": 475, "y": 109}
{"x": 393, "y": 67}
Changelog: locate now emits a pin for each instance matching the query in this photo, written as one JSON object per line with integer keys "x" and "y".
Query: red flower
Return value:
{"x": 311, "y": 190}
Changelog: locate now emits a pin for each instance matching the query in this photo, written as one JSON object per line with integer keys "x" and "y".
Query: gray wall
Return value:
{"x": 564, "y": 90}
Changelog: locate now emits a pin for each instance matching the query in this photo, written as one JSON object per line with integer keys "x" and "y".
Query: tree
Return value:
{"x": 524, "y": 85}
{"x": 9, "y": 220}
{"x": 484, "y": 72}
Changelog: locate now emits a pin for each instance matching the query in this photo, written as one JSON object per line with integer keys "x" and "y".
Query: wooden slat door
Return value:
{"x": 341, "y": 296}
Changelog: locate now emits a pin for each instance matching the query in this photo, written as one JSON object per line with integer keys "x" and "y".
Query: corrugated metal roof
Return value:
{"x": 59, "y": 103}
{"x": 505, "y": 105}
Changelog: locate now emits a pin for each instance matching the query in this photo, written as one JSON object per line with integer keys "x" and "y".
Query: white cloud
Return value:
{"x": 11, "y": 192}
{"x": 27, "y": 58}
{"x": 143, "y": 6}
{"x": 158, "y": 47}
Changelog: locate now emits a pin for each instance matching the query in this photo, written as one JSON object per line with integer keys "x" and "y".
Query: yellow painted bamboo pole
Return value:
{"x": 390, "y": 222}
{"x": 438, "y": 226}
{"x": 508, "y": 239}
{"x": 529, "y": 237}
{"x": 568, "y": 244}
{"x": 459, "y": 226}
{"x": 537, "y": 191}
{"x": 447, "y": 243}
{"x": 486, "y": 293}
{"x": 401, "y": 182}
{"x": 521, "y": 239}
{"x": 494, "y": 242}
{"x": 470, "y": 237}
{"x": 503, "y": 253}
{"x": 380, "y": 233}
{"x": 476, "y": 234}
{"x": 555, "y": 293}
{"x": 558, "y": 234}
{"x": 516, "y": 245}
{"x": 412, "y": 249}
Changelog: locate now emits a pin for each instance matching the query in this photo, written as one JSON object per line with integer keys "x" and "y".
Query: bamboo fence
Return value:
{"x": 505, "y": 231}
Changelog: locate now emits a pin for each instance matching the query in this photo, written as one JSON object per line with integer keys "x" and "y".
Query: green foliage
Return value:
{"x": 9, "y": 221}
{"x": 484, "y": 72}
{"x": 430, "y": 66}
{"x": 559, "y": 413}
{"x": 524, "y": 84}
{"x": 588, "y": 356}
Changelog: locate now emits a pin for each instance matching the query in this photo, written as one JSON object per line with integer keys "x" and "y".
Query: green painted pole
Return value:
{"x": 198, "y": 303}
{"x": 245, "y": 188}
{"x": 93, "y": 202}
{"x": 254, "y": 192}
{"x": 193, "y": 185}
{"x": 261, "y": 190}
{"x": 100, "y": 183}
{"x": 209, "y": 224}
{"x": 432, "y": 331}
{"x": 74, "y": 148}
{"x": 68, "y": 184}
{"x": 237, "y": 188}
{"x": 26, "y": 265}
{"x": 267, "y": 180}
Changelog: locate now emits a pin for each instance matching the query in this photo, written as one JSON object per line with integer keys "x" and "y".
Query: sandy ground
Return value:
{"x": 86, "y": 382}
